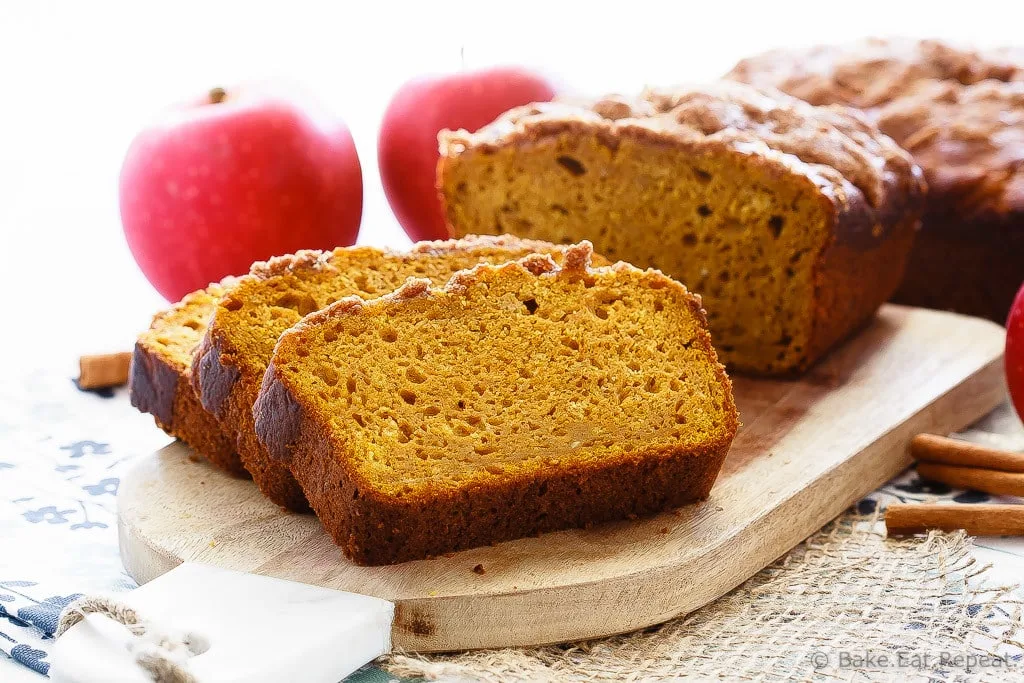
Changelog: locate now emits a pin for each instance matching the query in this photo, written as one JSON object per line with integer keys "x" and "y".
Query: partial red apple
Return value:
{"x": 1015, "y": 352}
{"x": 237, "y": 176}
{"x": 407, "y": 150}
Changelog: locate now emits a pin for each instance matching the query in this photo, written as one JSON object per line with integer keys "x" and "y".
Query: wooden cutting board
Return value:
{"x": 808, "y": 448}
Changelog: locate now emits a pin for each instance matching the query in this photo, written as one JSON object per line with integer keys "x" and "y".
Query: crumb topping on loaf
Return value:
{"x": 968, "y": 139}
{"x": 315, "y": 261}
{"x": 833, "y": 146}
{"x": 874, "y": 71}
{"x": 959, "y": 112}
{"x": 577, "y": 259}
{"x": 495, "y": 243}
{"x": 286, "y": 288}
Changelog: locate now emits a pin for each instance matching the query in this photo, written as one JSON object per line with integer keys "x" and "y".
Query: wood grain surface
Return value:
{"x": 807, "y": 449}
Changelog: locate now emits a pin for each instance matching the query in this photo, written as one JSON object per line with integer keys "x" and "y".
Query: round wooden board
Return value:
{"x": 808, "y": 449}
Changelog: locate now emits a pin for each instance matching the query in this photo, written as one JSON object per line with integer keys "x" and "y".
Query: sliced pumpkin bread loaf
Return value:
{"x": 793, "y": 222}
{"x": 229, "y": 365}
{"x": 519, "y": 398}
{"x": 160, "y": 378}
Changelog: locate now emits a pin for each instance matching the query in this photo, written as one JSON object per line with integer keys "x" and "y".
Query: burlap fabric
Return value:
{"x": 846, "y": 605}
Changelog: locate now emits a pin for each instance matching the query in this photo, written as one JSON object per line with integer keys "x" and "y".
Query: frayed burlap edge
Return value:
{"x": 848, "y": 604}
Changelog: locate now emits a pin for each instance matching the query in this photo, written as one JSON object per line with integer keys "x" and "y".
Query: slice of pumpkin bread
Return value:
{"x": 793, "y": 222}
{"x": 160, "y": 378}
{"x": 520, "y": 398}
{"x": 229, "y": 365}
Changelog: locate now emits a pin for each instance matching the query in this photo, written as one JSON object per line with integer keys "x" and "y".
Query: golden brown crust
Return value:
{"x": 159, "y": 381}
{"x": 959, "y": 112}
{"x": 969, "y": 141}
{"x": 874, "y": 71}
{"x": 227, "y": 373}
{"x": 851, "y": 283}
{"x": 374, "y": 527}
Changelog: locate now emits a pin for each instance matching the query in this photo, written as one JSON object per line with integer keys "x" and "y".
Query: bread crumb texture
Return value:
{"x": 435, "y": 403}
{"x": 159, "y": 381}
{"x": 177, "y": 331}
{"x": 277, "y": 294}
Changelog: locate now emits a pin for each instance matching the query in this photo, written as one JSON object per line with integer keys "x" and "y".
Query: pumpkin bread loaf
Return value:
{"x": 960, "y": 113}
{"x": 519, "y": 398}
{"x": 792, "y": 221}
{"x": 160, "y": 378}
{"x": 969, "y": 140}
{"x": 229, "y": 365}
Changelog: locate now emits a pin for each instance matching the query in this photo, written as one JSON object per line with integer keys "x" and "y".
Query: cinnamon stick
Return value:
{"x": 940, "y": 449}
{"x": 977, "y": 520}
{"x": 105, "y": 370}
{"x": 990, "y": 481}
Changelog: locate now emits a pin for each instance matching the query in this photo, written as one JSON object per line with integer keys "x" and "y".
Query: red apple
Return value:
{"x": 1015, "y": 353}
{"x": 407, "y": 150}
{"x": 235, "y": 177}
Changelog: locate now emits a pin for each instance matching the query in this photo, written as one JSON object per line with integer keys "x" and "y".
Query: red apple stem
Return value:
{"x": 218, "y": 95}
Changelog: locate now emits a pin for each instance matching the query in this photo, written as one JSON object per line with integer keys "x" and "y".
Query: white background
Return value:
{"x": 78, "y": 79}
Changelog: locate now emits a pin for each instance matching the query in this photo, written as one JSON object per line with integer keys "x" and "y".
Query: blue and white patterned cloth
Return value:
{"x": 62, "y": 453}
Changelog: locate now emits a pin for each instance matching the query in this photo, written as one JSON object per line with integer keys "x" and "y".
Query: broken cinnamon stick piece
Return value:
{"x": 105, "y": 370}
{"x": 989, "y": 481}
{"x": 977, "y": 520}
{"x": 940, "y": 449}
